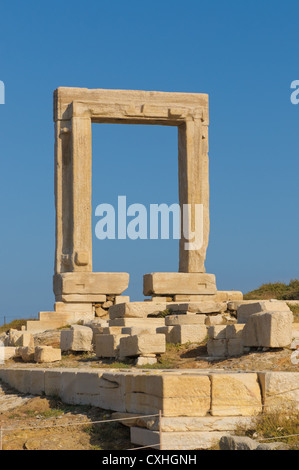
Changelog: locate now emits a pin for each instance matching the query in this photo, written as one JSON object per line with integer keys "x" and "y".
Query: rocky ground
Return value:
{"x": 39, "y": 423}
{"x": 32, "y": 423}
{"x": 190, "y": 356}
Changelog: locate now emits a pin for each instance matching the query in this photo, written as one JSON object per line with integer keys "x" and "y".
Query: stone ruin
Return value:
{"x": 184, "y": 306}
{"x": 198, "y": 407}
{"x": 79, "y": 292}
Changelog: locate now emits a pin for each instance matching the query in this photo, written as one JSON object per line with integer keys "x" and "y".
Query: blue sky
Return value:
{"x": 243, "y": 54}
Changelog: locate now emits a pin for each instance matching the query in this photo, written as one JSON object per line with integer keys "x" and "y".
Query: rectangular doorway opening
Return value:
{"x": 139, "y": 162}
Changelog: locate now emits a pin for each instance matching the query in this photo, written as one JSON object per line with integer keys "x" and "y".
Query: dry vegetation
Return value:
{"x": 277, "y": 290}
{"x": 275, "y": 426}
{"x": 53, "y": 417}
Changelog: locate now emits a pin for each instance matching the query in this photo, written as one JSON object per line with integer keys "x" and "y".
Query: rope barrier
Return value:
{"x": 278, "y": 437}
{"x": 120, "y": 420}
{"x": 85, "y": 423}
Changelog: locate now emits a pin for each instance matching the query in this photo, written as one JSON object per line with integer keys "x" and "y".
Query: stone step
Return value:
{"x": 140, "y": 322}
{"x": 179, "y": 284}
{"x": 136, "y": 310}
{"x": 68, "y": 317}
{"x": 189, "y": 440}
{"x": 86, "y": 283}
{"x": 10, "y": 400}
{"x": 70, "y": 307}
{"x": 144, "y": 309}
{"x": 186, "y": 424}
{"x": 37, "y": 326}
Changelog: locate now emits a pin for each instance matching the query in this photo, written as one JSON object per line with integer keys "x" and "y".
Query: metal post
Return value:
{"x": 160, "y": 428}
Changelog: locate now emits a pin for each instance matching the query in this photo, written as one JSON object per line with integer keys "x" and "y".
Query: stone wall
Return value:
{"x": 198, "y": 407}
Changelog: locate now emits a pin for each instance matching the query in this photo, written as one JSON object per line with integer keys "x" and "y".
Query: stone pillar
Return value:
{"x": 82, "y": 181}
{"x": 73, "y": 195}
{"x": 194, "y": 189}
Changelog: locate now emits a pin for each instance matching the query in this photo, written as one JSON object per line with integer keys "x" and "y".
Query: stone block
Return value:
{"x": 136, "y": 310}
{"x": 280, "y": 390}
{"x": 228, "y": 296}
{"x": 53, "y": 385}
{"x": 235, "y": 394}
{"x": 235, "y": 347}
{"x": 19, "y": 379}
{"x": 138, "y": 330}
{"x": 185, "y": 298}
{"x": 202, "y": 424}
{"x": 158, "y": 299}
{"x": 80, "y": 298}
{"x": 37, "y": 382}
{"x": 100, "y": 312}
{"x": 7, "y": 352}
{"x": 142, "y": 344}
{"x": 217, "y": 347}
{"x": 144, "y": 361}
{"x": 68, "y": 386}
{"x": 145, "y": 438}
{"x": 268, "y": 329}
{"x": 188, "y": 319}
{"x": 35, "y": 326}
{"x": 233, "y": 305}
{"x": 97, "y": 322}
{"x": 234, "y": 331}
{"x": 175, "y": 440}
{"x": 168, "y": 332}
{"x": 246, "y": 310}
{"x": 87, "y": 388}
{"x": 212, "y": 320}
{"x": 88, "y": 283}
{"x": 217, "y": 332}
{"x": 186, "y": 424}
{"x": 237, "y": 443}
{"x": 121, "y": 299}
{"x": 295, "y": 330}
{"x": 65, "y": 318}
{"x": 47, "y": 354}
{"x": 182, "y": 334}
{"x": 61, "y": 383}
{"x": 113, "y": 330}
{"x": 174, "y": 394}
{"x": 20, "y": 339}
{"x": 197, "y": 307}
{"x": 140, "y": 322}
{"x": 178, "y": 284}
{"x": 63, "y": 307}
{"x": 190, "y": 440}
{"x": 112, "y": 391}
{"x": 27, "y": 353}
{"x": 97, "y": 330}
{"x": 108, "y": 345}
{"x": 78, "y": 338}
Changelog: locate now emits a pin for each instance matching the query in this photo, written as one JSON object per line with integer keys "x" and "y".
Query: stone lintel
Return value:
{"x": 129, "y": 104}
